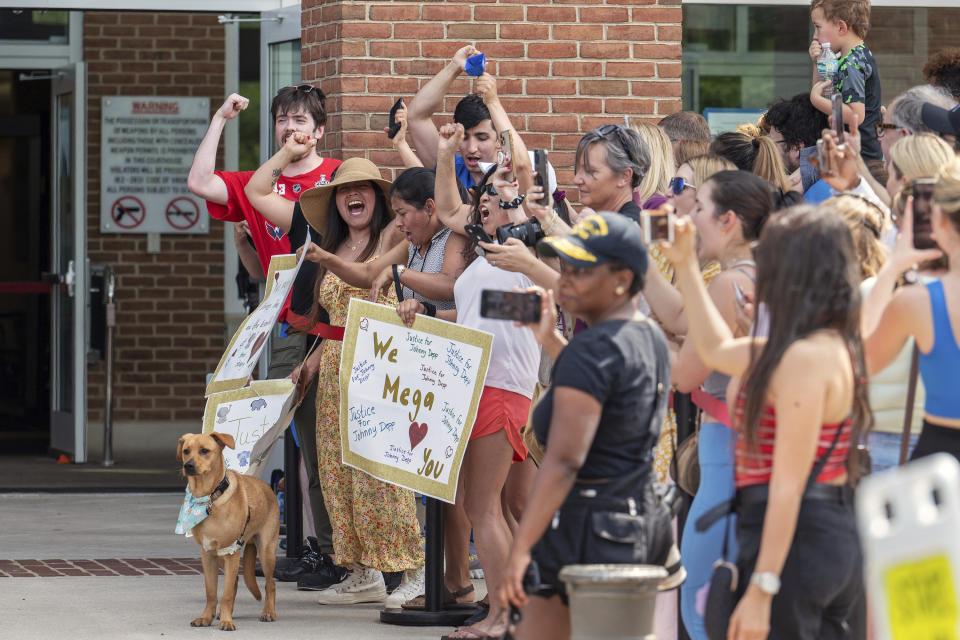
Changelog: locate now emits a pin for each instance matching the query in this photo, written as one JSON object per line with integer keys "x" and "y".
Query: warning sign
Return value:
{"x": 128, "y": 212}
{"x": 182, "y": 213}
{"x": 147, "y": 145}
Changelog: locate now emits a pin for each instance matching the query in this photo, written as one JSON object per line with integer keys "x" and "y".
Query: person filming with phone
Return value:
{"x": 600, "y": 421}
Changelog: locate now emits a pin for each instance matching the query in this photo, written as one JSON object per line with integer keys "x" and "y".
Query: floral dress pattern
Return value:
{"x": 663, "y": 454}
{"x": 374, "y": 523}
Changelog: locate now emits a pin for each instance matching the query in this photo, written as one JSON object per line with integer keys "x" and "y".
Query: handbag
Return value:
{"x": 725, "y": 580}
{"x": 685, "y": 469}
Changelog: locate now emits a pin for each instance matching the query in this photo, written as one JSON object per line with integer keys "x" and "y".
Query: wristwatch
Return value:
{"x": 400, "y": 269}
{"x": 768, "y": 582}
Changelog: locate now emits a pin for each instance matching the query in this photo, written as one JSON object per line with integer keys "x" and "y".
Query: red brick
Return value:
{"x": 526, "y": 105}
{"x": 657, "y": 52}
{"x": 473, "y": 30}
{"x": 552, "y": 87}
{"x": 656, "y": 89}
{"x": 669, "y": 33}
{"x": 540, "y": 68}
{"x": 630, "y": 69}
{"x": 365, "y": 30}
{"x": 525, "y": 31}
{"x": 364, "y": 67}
{"x": 580, "y": 69}
{"x": 605, "y": 50}
{"x": 446, "y": 12}
{"x": 498, "y": 13}
{"x": 604, "y": 87}
{"x": 577, "y": 105}
{"x": 561, "y": 124}
{"x": 393, "y": 13}
{"x": 552, "y": 14}
{"x": 444, "y": 50}
{"x": 552, "y": 50}
{"x": 631, "y": 32}
{"x": 392, "y": 84}
{"x": 604, "y": 15}
{"x": 395, "y": 49}
{"x": 616, "y": 105}
{"x": 657, "y": 14}
{"x": 503, "y": 49}
{"x": 418, "y": 32}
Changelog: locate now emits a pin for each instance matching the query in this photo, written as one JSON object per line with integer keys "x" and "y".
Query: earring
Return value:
{"x": 620, "y": 290}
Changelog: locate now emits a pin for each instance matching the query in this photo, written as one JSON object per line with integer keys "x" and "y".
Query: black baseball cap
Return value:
{"x": 941, "y": 120}
{"x": 597, "y": 239}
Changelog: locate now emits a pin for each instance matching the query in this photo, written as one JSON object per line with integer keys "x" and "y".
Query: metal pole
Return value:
{"x": 110, "y": 285}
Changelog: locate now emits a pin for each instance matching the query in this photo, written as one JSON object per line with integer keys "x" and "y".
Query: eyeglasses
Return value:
{"x": 489, "y": 190}
{"x": 677, "y": 185}
{"x": 607, "y": 129}
{"x": 305, "y": 88}
{"x": 882, "y": 127}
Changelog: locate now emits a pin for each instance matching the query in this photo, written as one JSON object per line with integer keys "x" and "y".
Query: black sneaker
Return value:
{"x": 392, "y": 580}
{"x": 325, "y": 575}
{"x": 293, "y": 571}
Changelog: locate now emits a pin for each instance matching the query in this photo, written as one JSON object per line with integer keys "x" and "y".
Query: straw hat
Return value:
{"x": 315, "y": 203}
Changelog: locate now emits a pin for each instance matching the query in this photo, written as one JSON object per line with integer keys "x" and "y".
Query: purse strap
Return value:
{"x": 908, "y": 410}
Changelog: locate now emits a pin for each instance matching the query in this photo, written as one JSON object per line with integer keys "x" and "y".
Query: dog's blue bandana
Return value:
{"x": 192, "y": 512}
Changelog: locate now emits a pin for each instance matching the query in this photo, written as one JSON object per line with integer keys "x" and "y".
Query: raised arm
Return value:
{"x": 486, "y": 86}
{"x": 450, "y": 209}
{"x": 202, "y": 181}
{"x": 428, "y": 101}
{"x": 400, "y": 144}
{"x": 713, "y": 339}
{"x": 271, "y": 205}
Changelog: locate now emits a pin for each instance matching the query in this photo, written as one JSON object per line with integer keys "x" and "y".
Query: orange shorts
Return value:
{"x": 502, "y": 409}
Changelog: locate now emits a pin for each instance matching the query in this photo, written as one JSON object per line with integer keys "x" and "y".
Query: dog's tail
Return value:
{"x": 249, "y": 569}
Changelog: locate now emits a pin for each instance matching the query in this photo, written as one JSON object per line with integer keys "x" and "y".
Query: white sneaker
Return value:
{"x": 411, "y": 586}
{"x": 362, "y": 584}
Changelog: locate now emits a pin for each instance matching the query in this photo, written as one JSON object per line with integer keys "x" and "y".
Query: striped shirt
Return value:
{"x": 754, "y": 463}
{"x": 430, "y": 262}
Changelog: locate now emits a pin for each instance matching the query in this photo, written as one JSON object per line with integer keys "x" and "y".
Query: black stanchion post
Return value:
{"x": 293, "y": 503}
{"x": 686, "y": 413}
{"x": 433, "y": 614}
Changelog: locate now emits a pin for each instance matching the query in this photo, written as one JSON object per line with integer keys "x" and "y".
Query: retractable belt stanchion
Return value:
{"x": 433, "y": 614}
{"x": 292, "y": 500}
{"x": 686, "y": 414}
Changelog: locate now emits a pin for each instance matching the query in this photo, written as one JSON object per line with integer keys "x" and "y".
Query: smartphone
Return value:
{"x": 476, "y": 233}
{"x": 922, "y": 205}
{"x": 657, "y": 227}
{"x": 510, "y": 305}
{"x": 506, "y": 152}
{"x": 837, "y": 106}
{"x": 393, "y": 124}
{"x": 826, "y": 165}
{"x": 540, "y": 166}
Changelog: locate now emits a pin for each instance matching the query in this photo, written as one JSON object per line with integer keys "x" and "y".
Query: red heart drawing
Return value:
{"x": 417, "y": 433}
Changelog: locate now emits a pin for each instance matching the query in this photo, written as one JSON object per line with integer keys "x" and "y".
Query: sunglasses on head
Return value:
{"x": 305, "y": 88}
{"x": 677, "y": 185}
{"x": 607, "y": 129}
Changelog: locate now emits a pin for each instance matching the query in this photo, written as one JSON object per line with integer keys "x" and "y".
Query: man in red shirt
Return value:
{"x": 300, "y": 108}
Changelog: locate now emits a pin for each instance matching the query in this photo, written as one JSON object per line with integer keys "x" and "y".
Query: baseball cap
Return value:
{"x": 941, "y": 120}
{"x": 597, "y": 239}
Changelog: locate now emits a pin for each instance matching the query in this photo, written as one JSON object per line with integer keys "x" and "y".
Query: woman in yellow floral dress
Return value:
{"x": 374, "y": 523}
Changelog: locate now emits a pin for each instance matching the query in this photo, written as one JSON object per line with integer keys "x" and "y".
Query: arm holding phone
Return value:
{"x": 398, "y": 117}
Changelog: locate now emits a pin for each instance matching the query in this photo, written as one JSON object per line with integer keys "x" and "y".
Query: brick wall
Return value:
{"x": 563, "y": 66}
{"x": 170, "y": 320}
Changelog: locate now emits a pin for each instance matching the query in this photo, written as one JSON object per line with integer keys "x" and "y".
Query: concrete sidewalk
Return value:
{"x": 123, "y": 531}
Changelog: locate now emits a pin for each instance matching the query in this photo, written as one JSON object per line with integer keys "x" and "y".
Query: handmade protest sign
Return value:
{"x": 255, "y": 416}
{"x": 408, "y": 396}
{"x": 248, "y": 342}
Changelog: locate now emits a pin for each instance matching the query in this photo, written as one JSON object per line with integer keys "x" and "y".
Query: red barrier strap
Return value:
{"x": 24, "y": 287}
{"x": 711, "y": 405}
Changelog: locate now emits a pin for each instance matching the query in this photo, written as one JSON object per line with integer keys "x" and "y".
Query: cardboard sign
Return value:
{"x": 255, "y": 416}
{"x": 408, "y": 397}
{"x": 241, "y": 356}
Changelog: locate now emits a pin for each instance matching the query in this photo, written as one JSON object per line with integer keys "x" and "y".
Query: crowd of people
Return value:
{"x": 808, "y": 262}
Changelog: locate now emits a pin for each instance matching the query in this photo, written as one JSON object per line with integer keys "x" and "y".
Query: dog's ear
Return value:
{"x": 225, "y": 439}
{"x": 180, "y": 446}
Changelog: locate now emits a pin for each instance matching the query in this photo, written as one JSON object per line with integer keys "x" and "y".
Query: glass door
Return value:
{"x": 279, "y": 66}
{"x": 68, "y": 264}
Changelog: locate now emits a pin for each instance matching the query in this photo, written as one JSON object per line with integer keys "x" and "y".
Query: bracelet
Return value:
{"x": 430, "y": 308}
{"x": 551, "y": 223}
{"x": 513, "y": 204}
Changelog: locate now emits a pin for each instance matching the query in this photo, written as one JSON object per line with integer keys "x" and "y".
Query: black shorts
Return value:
{"x": 601, "y": 531}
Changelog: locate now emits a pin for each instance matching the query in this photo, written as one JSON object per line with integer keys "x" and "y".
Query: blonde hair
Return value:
{"x": 913, "y": 157}
{"x": 662, "y": 167}
{"x": 704, "y": 166}
{"x": 919, "y": 156}
{"x": 683, "y": 150}
{"x": 946, "y": 192}
{"x": 866, "y": 223}
{"x": 755, "y": 153}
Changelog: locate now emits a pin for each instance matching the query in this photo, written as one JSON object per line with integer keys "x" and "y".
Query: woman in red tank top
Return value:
{"x": 802, "y": 402}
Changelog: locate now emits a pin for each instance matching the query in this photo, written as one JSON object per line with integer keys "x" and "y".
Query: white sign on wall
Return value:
{"x": 147, "y": 144}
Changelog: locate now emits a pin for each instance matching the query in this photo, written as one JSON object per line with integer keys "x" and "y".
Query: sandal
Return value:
{"x": 451, "y": 599}
{"x": 466, "y": 633}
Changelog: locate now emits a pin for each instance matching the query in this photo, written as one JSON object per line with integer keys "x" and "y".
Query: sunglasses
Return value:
{"x": 489, "y": 190}
{"x": 677, "y": 185}
{"x": 882, "y": 127}
{"x": 607, "y": 129}
{"x": 305, "y": 88}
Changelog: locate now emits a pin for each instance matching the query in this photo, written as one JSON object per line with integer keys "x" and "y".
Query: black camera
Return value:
{"x": 529, "y": 232}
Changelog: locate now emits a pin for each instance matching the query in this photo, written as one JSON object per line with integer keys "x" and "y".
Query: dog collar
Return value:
{"x": 223, "y": 486}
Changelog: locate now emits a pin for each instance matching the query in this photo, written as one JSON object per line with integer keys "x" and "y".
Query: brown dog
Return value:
{"x": 245, "y": 512}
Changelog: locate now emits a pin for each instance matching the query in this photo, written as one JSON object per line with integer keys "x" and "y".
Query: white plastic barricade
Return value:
{"x": 909, "y": 520}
